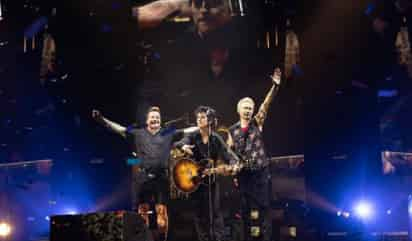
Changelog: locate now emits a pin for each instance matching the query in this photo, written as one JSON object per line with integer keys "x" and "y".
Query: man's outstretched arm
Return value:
{"x": 260, "y": 116}
{"x": 152, "y": 14}
{"x": 113, "y": 126}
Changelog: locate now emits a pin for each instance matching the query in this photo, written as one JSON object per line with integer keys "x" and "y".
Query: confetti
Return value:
{"x": 65, "y": 76}
{"x": 387, "y": 93}
{"x": 369, "y": 9}
{"x": 96, "y": 161}
{"x": 359, "y": 84}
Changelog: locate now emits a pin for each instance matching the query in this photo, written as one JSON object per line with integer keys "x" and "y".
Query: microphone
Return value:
{"x": 211, "y": 115}
{"x": 209, "y": 111}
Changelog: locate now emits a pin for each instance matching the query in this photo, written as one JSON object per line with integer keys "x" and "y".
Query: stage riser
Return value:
{"x": 110, "y": 226}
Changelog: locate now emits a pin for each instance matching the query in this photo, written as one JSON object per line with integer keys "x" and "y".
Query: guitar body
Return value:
{"x": 175, "y": 156}
{"x": 187, "y": 175}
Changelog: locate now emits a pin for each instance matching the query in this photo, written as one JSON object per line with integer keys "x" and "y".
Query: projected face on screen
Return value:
{"x": 396, "y": 133}
{"x": 208, "y": 15}
{"x": 396, "y": 163}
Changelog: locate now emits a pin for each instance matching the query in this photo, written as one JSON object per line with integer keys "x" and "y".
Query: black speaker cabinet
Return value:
{"x": 104, "y": 226}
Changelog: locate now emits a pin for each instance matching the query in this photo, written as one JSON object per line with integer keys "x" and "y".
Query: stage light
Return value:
{"x": 292, "y": 231}
{"x": 364, "y": 210}
{"x": 389, "y": 212}
{"x": 5, "y": 229}
{"x": 68, "y": 211}
{"x": 71, "y": 211}
{"x": 410, "y": 205}
{"x": 343, "y": 214}
{"x": 346, "y": 214}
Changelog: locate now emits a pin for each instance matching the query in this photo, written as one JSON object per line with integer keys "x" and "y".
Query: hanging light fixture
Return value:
{"x": 1, "y": 11}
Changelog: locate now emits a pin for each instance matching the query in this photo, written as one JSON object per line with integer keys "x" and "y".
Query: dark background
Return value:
{"x": 321, "y": 112}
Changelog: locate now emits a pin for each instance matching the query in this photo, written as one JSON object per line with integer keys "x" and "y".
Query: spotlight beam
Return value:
{"x": 5, "y": 229}
{"x": 364, "y": 210}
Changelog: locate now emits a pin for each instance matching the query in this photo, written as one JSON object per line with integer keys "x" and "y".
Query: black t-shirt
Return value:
{"x": 153, "y": 150}
{"x": 214, "y": 150}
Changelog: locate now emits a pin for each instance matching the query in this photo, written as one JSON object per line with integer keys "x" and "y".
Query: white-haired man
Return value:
{"x": 254, "y": 178}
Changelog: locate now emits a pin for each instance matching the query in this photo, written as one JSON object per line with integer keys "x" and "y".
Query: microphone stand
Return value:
{"x": 211, "y": 165}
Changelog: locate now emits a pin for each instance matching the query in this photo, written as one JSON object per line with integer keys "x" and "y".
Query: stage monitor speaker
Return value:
{"x": 102, "y": 226}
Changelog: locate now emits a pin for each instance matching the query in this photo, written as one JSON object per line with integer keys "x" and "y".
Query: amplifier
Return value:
{"x": 101, "y": 226}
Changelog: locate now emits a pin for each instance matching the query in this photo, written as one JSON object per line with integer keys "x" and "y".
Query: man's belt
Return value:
{"x": 151, "y": 172}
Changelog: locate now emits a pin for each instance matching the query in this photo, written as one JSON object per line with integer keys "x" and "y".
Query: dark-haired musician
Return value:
{"x": 205, "y": 144}
{"x": 150, "y": 186}
{"x": 247, "y": 136}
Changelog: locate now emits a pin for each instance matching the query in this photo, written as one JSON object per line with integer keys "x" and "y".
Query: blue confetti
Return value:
{"x": 156, "y": 55}
{"x": 387, "y": 93}
{"x": 369, "y": 9}
{"x": 106, "y": 28}
{"x": 297, "y": 71}
{"x": 35, "y": 27}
